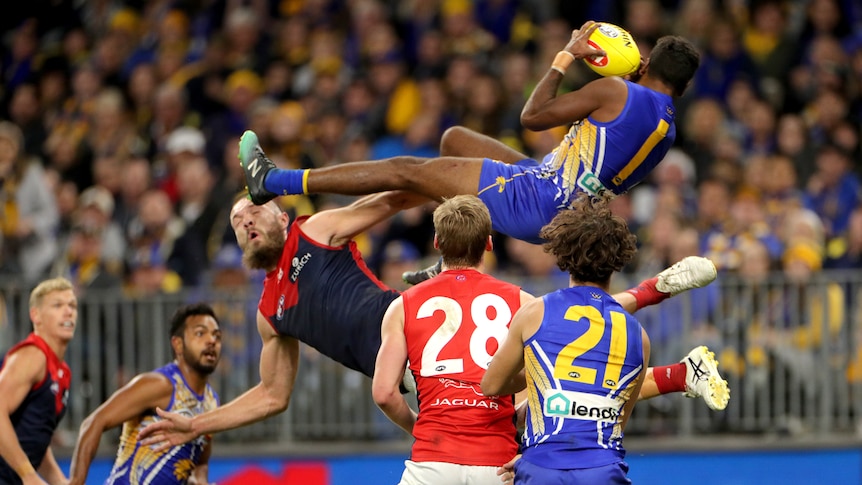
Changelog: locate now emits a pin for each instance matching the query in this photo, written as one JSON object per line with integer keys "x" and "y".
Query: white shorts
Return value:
{"x": 440, "y": 473}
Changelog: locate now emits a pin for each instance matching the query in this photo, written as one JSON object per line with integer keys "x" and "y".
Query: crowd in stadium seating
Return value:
{"x": 120, "y": 123}
{"x": 119, "y": 153}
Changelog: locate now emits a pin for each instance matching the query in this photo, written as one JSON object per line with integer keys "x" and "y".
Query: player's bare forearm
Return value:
{"x": 10, "y": 448}
{"x": 336, "y": 226}
{"x": 397, "y": 410}
{"x": 279, "y": 360}
{"x": 50, "y": 470}
{"x": 535, "y": 116}
{"x": 256, "y": 404}
{"x": 89, "y": 436}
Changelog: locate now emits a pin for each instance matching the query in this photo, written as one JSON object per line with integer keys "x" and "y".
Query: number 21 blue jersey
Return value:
{"x": 581, "y": 367}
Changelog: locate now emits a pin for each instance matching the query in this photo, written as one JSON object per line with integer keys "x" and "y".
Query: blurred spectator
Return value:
{"x": 26, "y": 112}
{"x": 485, "y": 106}
{"x": 170, "y": 111}
{"x": 205, "y": 216}
{"x": 833, "y": 191}
{"x": 94, "y": 217}
{"x": 181, "y": 145}
{"x": 845, "y": 250}
{"x": 461, "y": 33}
{"x": 532, "y": 261}
{"x": 675, "y": 173}
{"x": 28, "y": 208}
{"x": 666, "y": 323}
{"x": 655, "y": 241}
{"x": 792, "y": 141}
{"x": 703, "y": 121}
{"x": 82, "y": 261}
{"x": 152, "y": 235}
{"x": 694, "y": 21}
{"x": 289, "y": 138}
{"x": 136, "y": 179}
{"x": 241, "y": 89}
{"x": 397, "y": 257}
{"x": 516, "y": 77}
{"x": 242, "y": 32}
{"x": 645, "y": 20}
{"x": 421, "y": 140}
{"x": 768, "y": 39}
{"x": 781, "y": 194}
{"x": 18, "y": 63}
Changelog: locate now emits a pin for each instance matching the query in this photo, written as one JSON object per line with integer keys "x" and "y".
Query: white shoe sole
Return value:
{"x": 689, "y": 273}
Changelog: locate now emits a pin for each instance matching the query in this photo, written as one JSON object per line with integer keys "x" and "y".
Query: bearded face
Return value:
{"x": 263, "y": 250}
{"x": 204, "y": 361}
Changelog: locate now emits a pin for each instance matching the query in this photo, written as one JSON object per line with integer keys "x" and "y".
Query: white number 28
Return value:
{"x": 486, "y": 329}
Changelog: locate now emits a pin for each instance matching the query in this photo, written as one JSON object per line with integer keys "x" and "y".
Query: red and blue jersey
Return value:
{"x": 453, "y": 324}
{"x": 40, "y": 412}
{"x": 327, "y": 297}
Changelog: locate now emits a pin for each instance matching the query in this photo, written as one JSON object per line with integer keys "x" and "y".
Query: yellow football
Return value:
{"x": 623, "y": 56}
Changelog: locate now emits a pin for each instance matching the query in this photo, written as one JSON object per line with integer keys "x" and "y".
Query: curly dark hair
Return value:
{"x": 589, "y": 241}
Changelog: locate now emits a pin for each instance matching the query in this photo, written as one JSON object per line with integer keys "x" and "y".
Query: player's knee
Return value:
{"x": 452, "y": 140}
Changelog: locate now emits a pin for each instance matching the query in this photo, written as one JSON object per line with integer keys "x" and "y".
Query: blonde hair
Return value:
{"x": 46, "y": 287}
{"x": 463, "y": 225}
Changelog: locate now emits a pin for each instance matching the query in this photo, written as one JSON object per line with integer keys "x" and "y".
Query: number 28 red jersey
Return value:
{"x": 453, "y": 324}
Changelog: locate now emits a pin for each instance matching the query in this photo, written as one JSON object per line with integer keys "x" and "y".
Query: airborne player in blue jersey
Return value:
{"x": 620, "y": 131}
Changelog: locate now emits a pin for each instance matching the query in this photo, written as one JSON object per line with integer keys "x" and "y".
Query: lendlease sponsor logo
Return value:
{"x": 581, "y": 405}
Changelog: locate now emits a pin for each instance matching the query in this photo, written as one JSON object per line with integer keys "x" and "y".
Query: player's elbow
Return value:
{"x": 531, "y": 120}
{"x": 90, "y": 424}
{"x": 276, "y": 401}
{"x": 278, "y": 404}
{"x": 527, "y": 119}
{"x": 383, "y": 395}
{"x": 489, "y": 387}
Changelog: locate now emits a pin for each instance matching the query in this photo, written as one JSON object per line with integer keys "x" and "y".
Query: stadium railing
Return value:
{"x": 791, "y": 351}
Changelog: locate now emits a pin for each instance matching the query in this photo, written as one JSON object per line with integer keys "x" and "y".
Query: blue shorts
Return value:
{"x": 527, "y": 473}
{"x": 520, "y": 202}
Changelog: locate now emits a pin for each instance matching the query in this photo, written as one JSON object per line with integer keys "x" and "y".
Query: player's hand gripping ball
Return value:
{"x": 623, "y": 56}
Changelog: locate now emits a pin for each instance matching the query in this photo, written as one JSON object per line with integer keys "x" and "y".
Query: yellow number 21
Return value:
{"x": 565, "y": 368}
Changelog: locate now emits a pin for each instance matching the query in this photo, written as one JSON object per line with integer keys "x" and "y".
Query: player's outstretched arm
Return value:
{"x": 23, "y": 369}
{"x": 144, "y": 392}
{"x": 279, "y": 360}
{"x": 389, "y": 369}
{"x": 336, "y": 226}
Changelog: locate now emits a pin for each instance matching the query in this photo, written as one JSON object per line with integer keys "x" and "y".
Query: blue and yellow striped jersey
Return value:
{"x": 581, "y": 367}
{"x": 616, "y": 155}
{"x": 139, "y": 465}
